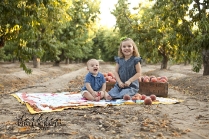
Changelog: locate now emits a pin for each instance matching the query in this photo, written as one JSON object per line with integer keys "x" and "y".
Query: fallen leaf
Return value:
{"x": 22, "y": 129}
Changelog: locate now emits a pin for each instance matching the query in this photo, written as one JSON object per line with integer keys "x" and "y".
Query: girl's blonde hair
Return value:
{"x": 135, "y": 52}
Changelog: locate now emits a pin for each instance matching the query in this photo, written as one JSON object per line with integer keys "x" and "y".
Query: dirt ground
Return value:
{"x": 186, "y": 120}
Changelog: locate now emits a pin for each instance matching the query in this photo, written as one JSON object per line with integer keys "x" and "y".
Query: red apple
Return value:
{"x": 105, "y": 74}
{"x": 146, "y": 80}
{"x": 126, "y": 97}
{"x": 110, "y": 74}
{"x": 143, "y": 97}
{"x": 153, "y": 97}
{"x": 164, "y": 77}
{"x": 153, "y": 79}
{"x": 163, "y": 81}
{"x": 137, "y": 96}
{"x": 148, "y": 101}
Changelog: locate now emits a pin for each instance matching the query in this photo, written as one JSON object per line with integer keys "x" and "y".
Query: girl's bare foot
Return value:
{"x": 107, "y": 96}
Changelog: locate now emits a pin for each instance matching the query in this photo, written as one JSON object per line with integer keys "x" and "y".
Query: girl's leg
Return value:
{"x": 128, "y": 92}
{"x": 114, "y": 93}
{"x": 107, "y": 96}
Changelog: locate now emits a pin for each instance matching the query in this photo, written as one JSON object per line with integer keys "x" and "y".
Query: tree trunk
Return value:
{"x": 2, "y": 41}
{"x": 36, "y": 62}
{"x": 57, "y": 63}
{"x": 206, "y": 62}
{"x": 77, "y": 61}
{"x": 67, "y": 61}
{"x": 164, "y": 63}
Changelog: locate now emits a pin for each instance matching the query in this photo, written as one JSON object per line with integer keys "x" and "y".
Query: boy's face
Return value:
{"x": 93, "y": 67}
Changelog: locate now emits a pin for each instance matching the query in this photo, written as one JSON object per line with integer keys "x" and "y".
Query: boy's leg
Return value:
{"x": 102, "y": 94}
{"x": 89, "y": 96}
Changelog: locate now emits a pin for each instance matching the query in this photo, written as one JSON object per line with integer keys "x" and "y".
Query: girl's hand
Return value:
{"x": 121, "y": 84}
{"x": 127, "y": 83}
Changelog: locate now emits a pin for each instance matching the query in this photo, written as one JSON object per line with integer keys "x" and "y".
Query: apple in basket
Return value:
{"x": 164, "y": 77}
{"x": 153, "y": 79}
{"x": 105, "y": 74}
{"x": 110, "y": 74}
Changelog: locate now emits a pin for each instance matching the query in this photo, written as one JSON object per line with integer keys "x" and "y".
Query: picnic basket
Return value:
{"x": 148, "y": 88}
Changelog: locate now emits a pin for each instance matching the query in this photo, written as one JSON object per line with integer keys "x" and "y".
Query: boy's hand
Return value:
{"x": 94, "y": 94}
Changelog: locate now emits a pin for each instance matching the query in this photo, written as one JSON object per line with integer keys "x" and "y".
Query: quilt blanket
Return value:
{"x": 48, "y": 102}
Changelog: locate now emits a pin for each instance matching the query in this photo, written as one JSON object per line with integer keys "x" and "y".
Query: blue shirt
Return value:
{"x": 96, "y": 82}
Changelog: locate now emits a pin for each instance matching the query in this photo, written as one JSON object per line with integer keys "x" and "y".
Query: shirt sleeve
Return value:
{"x": 137, "y": 60}
{"x": 87, "y": 78}
{"x": 102, "y": 78}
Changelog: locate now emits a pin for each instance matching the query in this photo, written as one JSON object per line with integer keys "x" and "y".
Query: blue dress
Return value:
{"x": 126, "y": 71}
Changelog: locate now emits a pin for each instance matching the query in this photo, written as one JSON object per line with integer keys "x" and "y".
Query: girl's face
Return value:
{"x": 127, "y": 49}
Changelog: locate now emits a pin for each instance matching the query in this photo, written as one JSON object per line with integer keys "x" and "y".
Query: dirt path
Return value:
{"x": 186, "y": 120}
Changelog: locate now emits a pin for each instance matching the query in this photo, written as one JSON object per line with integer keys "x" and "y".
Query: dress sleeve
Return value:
{"x": 137, "y": 59}
{"x": 116, "y": 59}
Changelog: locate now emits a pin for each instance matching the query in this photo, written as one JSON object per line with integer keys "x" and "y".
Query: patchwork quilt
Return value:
{"x": 49, "y": 102}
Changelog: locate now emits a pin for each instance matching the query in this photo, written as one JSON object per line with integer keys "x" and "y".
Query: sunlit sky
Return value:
{"x": 107, "y": 19}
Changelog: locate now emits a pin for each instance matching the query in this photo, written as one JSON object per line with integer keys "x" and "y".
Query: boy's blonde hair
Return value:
{"x": 87, "y": 63}
{"x": 135, "y": 52}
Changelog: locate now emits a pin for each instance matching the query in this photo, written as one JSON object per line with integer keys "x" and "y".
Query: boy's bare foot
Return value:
{"x": 97, "y": 98}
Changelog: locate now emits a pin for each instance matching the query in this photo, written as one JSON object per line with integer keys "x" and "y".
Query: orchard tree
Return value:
{"x": 78, "y": 33}
{"x": 23, "y": 23}
{"x": 163, "y": 26}
{"x": 123, "y": 19}
{"x": 191, "y": 29}
{"x": 107, "y": 42}
{"x": 128, "y": 23}
{"x": 199, "y": 14}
